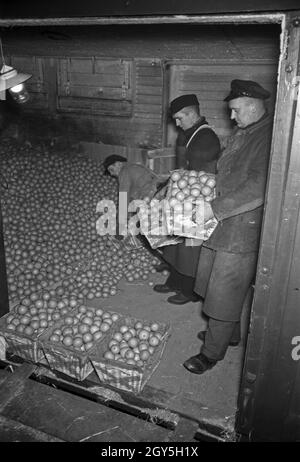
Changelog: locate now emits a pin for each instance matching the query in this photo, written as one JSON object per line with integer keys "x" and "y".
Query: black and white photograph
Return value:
{"x": 150, "y": 224}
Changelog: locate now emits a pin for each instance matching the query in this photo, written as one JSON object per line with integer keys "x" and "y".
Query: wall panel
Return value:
{"x": 95, "y": 85}
{"x": 113, "y": 83}
{"x": 148, "y": 106}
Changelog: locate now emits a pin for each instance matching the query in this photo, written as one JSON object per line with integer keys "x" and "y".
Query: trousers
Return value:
{"x": 223, "y": 280}
{"x": 182, "y": 283}
{"x": 218, "y": 336}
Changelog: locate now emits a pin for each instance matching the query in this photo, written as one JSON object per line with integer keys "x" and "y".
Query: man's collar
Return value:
{"x": 259, "y": 123}
{"x": 199, "y": 122}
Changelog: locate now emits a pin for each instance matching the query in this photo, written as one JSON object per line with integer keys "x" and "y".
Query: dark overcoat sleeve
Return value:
{"x": 248, "y": 194}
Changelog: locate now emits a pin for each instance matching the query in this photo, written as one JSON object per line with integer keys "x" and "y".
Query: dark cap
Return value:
{"x": 111, "y": 160}
{"x": 240, "y": 88}
{"x": 183, "y": 101}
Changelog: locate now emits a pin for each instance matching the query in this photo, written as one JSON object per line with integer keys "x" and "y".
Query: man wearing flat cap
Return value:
{"x": 202, "y": 149}
{"x": 201, "y": 144}
{"x": 228, "y": 259}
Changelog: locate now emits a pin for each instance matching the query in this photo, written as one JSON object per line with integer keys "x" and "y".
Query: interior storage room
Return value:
{"x": 95, "y": 91}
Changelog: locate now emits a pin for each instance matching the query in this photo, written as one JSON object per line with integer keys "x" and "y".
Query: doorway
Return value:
{"x": 279, "y": 170}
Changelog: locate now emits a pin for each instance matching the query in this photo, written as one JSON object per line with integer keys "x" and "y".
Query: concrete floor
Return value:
{"x": 213, "y": 394}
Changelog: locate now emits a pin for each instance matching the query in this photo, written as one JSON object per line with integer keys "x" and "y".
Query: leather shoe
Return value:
{"x": 163, "y": 289}
{"x": 199, "y": 364}
{"x": 179, "y": 299}
{"x": 161, "y": 267}
{"x": 202, "y": 333}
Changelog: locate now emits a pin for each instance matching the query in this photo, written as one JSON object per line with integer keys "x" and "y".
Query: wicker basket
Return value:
{"x": 161, "y": 241}
{"x": 129, "y": 243}
{"x": 185, "y": 226}
{"x": 157, "y": 234}
{"x": 68, "y": 360}
{"x": 124, "y": 376}
{"x": 19, "y": 344}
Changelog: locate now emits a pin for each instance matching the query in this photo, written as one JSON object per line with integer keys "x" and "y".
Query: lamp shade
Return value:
{"x": 9, "y": 77}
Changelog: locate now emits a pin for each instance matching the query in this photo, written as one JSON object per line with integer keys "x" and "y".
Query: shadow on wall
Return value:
{"x": 10, "y": 112}
{"x": 35, "y": 127}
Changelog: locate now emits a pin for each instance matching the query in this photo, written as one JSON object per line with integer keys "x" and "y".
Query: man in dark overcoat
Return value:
{"x": 201, "y": 151}
{"x": 227, "y": 263}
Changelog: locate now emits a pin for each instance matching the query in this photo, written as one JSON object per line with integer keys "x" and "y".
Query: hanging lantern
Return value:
{"x": 13, "y": 81}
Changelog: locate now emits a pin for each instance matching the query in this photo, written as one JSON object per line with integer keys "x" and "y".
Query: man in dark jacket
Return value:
{"x": 135, "y": 182}
{"x": 227, "y": 263}
{"x": 201, "y": 151}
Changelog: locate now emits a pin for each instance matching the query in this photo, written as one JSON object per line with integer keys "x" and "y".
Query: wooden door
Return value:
{"x": 269, "y": 399}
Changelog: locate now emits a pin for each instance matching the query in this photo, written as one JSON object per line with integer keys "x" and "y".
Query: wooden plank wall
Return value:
{"x": 95, "y": 86}
{"x": 149, "y": 100}
{"x": 113, "y": 84}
